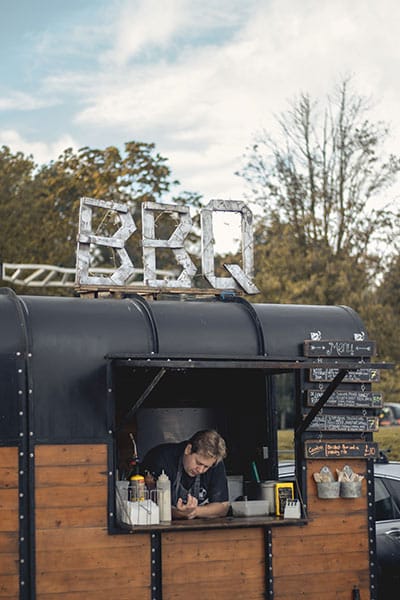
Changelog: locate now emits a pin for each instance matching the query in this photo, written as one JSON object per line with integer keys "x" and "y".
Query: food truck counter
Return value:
{"x": 219, "y": 523}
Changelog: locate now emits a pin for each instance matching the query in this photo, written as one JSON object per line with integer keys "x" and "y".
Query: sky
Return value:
{"x": 199, "y": 78}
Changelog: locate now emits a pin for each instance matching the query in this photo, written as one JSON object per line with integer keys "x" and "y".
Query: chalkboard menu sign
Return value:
{"x": 322, "y": 449}
{"x": 339, "y": 348}
{"x": 344, "y": 406}
{"x": 347, "y": 398}
{"x": 334, "y": 422}
{"x": 359, "y": 376}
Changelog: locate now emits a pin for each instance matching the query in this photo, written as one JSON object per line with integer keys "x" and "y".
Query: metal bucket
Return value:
{"x": 350, "y": 489}
{"x": 329, "y": 489}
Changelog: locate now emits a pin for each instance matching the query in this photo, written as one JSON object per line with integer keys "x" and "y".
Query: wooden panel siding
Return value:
{"x": 329, "y": 555}
{"x": 76, "y": 557}
{"x": 221, "y": 564}
{"x": 9, "y": 524}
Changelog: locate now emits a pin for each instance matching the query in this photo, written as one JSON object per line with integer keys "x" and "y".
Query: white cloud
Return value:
{"x": 42, "y": 152}
{"x": 21, "y": 101}
{"x": 200, "y": 78}
{"x": 141, "y": 26}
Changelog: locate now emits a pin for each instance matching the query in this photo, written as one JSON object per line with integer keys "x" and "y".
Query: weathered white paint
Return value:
{"x": 239, "y": 278}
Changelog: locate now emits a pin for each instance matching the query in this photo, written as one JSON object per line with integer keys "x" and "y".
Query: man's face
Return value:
{"x": 196, "y": 464}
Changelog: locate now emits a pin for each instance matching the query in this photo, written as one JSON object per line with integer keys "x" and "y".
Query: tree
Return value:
{"x": 41, "y": 204}
{"x": 308, "y": 274}
{"x": 16, "y": 181}
{"x": 384, "y": 325}
{"x": 314, "y": 186}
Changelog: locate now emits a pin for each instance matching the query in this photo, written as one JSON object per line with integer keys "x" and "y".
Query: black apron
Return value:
{"x": 179, "y": 491}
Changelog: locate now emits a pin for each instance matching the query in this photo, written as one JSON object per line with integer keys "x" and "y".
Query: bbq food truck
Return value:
{"x": 88, "y": 382}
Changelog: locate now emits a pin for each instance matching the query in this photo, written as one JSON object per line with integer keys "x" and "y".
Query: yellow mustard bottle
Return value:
{"x": 136, "y": 488}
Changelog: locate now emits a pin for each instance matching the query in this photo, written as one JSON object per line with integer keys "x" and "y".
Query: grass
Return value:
{"x": 387, "y": 438}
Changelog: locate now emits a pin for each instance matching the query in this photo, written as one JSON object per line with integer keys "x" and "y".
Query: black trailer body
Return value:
{"x": 78, "y": 375}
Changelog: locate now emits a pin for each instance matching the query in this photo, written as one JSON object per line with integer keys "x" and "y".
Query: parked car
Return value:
{"x": 387, "y": 515}
{"x": 395, "y": 408}
{"x": 389, "y": 414}
{"x": 387, "y": 523}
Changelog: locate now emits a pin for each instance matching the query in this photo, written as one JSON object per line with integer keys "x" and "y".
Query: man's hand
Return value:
{"x": 185, "y": 511}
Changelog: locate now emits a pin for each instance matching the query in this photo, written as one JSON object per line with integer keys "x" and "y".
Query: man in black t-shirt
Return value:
{"x": 196, "y": 470}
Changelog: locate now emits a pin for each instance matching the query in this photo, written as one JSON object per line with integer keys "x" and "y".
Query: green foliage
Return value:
{"x": 39, "y": 206}
{"x": 317, "y": 241}
{"x": 317, "y": 238}
{"x": 16, "y": 185}
{"x": 290, "y": 272}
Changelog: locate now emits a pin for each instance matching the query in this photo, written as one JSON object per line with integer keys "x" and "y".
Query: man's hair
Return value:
{"x": 208, "y": 442}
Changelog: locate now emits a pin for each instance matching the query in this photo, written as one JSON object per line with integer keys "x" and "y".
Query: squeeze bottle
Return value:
{"x": 164, "y": 497}
{"x": 136, "y": 488}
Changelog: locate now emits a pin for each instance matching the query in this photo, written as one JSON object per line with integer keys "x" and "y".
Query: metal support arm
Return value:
{"x": 142, "y": 398}
{"x": 321, "y": 402}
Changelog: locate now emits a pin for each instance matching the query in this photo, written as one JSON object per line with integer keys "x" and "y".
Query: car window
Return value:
{"x": 387, "y": 499}
{"x": 396, "y": 410}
